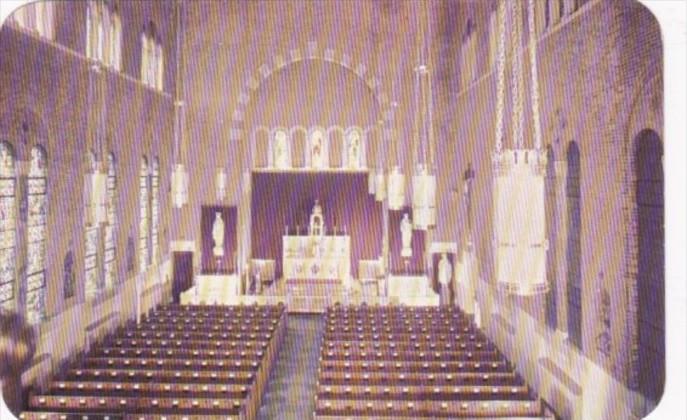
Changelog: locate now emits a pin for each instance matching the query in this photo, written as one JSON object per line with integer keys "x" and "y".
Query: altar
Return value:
{"x": 326, "y": 257}
{"x": 317, "y": 257}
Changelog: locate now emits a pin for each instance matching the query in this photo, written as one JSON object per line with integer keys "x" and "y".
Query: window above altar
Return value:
{"x": 315, "y": 148}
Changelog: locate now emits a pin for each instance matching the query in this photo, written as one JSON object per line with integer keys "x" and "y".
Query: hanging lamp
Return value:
{"x": 519, "y": 200}
{"x": 396, "y": 180}
{"x": 424, "y": 182}
{"x": 380, "y": 178}
{"x": 179, "y": 177}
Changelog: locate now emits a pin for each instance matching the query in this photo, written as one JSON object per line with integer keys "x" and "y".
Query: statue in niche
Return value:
{"x": 316, "y": 150}
{"x": 353, "y": 149}
{"x": 218, "y": 235}
{"x": 603, "y": 339}
{"x": 406, "y": 236}
{"x": 280, "y": 150}
{"x": 69, "y": 275}
{"x": 445, "y": 272}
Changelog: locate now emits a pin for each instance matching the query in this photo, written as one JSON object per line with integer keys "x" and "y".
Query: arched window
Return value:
{"x": 159, "y": 67}
{"x": 155, "y": 213}
{"x": 110, "y": 247}
{"x": 650, "y": 231}
{"x": 493, "y": 38}
{"x": 152, "y": 60}
{"x": 8, "y": 226}
{"x": 94, "y": 30}
{"x": 36, "y": 224}
{"x": 468, "y": 54}
{"x": 573, "y": 256}
{"x": 38, "y": 17}
{"x": 554, "y": 12}
{"x": 103, "y": 34}
{"x": 93, "y": 286}
{"x": 115, "y": 41}
{"x": 143, "y": 237}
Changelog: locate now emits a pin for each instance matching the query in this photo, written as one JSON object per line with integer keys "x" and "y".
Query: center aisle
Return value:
{"x": 290, "y": 392}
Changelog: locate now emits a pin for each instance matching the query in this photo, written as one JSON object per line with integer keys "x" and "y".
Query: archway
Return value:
{"x": 551, "y": 305}
{"x": 648, "y": 173}
{"x": 573, "y": 252}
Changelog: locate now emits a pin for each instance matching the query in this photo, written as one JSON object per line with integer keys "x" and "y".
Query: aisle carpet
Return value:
{"x": 290, "y": 392}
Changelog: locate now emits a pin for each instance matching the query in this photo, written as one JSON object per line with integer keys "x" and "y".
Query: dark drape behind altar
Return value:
{"x": 396, "y": 262}
{"x": 227, "y": 263}
{"x": 286, "y": 199}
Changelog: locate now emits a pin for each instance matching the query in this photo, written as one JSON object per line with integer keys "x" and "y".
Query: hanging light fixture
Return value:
{"x": 221, "y": 184}
{"x": 396, "y": 180}
{"x": 371, "y": 181}
{"x": 380, "y": 185}
{"x": 179, "y": 177}
{"x": 519, "y": 201}
{"x": 424, "y": 183}
{"x": 380, "y": 178}
{"x": 179, "y": 185}
{"x": 396, "y": 188}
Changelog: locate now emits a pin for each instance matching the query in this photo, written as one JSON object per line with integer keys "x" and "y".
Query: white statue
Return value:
{"x": 353, "y": 149}
{"x": 406, "y": 236}
{"x": 280, "y": 150}
{"x": 445, "y": 272}
{"x": 218, "y": 235}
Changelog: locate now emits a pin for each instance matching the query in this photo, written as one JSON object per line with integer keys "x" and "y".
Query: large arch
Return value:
{"x": 281, "y": 61}
{"x": 574, "y": 244}
{"x": 645, "y": 113}
{"x": 650, "y": 234}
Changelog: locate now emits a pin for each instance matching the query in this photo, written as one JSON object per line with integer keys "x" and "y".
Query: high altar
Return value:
{"x": 317, "y": 256}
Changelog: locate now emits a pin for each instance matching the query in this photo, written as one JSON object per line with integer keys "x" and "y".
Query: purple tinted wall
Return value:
{"x": 281, "y": 199}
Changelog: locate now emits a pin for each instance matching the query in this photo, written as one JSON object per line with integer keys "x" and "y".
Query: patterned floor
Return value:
{"x": 291, "y": 387}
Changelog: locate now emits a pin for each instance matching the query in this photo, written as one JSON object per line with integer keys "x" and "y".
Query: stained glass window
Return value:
{"x": 143, "y": 217}
{"x": 155, "y": 213}
{"x": 92, "y": 286}
{"x": 36, "y": 224}
{"x": 8, "y": 226}
{"x": 109, "y": 260}
{"x": 91, "y": 262}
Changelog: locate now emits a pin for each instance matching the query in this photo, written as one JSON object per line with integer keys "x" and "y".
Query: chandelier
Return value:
{"x": 424, "y": 182}
{"x": 519, "y": 206}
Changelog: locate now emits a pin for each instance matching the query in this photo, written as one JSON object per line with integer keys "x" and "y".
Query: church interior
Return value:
{"x": 331, "y": 210}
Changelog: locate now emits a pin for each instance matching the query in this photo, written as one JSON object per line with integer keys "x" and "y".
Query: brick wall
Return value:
{"x": 52, "y": 97}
